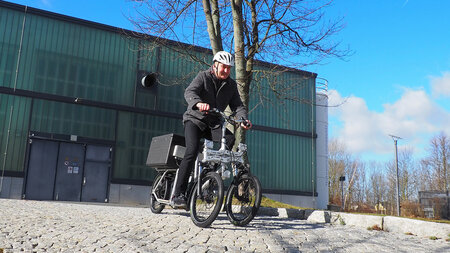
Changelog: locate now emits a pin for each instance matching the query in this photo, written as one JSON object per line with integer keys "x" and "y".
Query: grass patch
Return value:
{"x": 266, "y": 202}
{"x": 341, "y": 221}
{"x": 431, "y": 220}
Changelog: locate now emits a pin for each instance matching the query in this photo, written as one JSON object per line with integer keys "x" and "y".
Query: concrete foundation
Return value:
{"x": 295, "y": 200}
{"x": 11, "y": 187}
{"x": 140, "y": 195}
{"x": 129, "y": 194}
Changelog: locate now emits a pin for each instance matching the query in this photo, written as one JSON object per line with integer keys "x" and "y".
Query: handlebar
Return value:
{"x": 230, "y": 118}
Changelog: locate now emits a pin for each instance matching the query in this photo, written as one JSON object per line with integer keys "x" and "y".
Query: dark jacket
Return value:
{"x": 207, "y": 88}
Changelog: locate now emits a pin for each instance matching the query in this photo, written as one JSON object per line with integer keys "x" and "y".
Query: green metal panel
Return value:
{"x": 10, "y": 27}
{"x": 293, "y": 113}
{"x": 134, "y": 135}
{"x": 69, "y": 59}
{"x": 70, "y": 119}
{"x": 281, "y": 161}
{"x": 14, "y": 112}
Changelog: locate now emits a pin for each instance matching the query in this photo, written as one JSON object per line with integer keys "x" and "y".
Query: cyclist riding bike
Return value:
{"x": 213, "y": 88}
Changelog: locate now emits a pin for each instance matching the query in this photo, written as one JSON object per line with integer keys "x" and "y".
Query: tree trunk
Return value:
{"x": 243, "y": 68}
{"x": 212, "y": 15}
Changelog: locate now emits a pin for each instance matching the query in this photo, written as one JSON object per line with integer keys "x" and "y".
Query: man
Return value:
{"x": 212, "y": 88}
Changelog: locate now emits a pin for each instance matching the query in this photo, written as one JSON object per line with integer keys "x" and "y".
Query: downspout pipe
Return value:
{"x": 6, "y": 150}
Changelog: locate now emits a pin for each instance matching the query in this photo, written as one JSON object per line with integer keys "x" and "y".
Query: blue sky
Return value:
{"x": 398, "y": 79}
{"x": 396, "y": 82}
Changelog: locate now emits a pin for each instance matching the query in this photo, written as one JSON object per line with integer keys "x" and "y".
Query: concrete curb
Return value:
{"x": 385, "y": 223}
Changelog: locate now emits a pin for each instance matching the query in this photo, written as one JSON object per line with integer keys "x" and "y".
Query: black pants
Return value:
{"x": 193, "y": 134}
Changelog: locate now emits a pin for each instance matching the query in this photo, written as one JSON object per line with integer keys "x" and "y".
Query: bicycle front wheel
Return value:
{"x": 243, "y": 200}
{"x": 206, "y": 204}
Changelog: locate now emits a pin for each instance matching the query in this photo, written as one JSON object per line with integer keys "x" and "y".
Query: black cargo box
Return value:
{"x": 161, "y": 148}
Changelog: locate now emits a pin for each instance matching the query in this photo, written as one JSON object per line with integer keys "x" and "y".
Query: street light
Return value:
{"x": 342, "y": 179}
{"x": 395, "y": 138}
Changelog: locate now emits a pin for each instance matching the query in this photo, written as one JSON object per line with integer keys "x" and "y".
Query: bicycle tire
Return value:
{"x": 205, "y": 207}
{"x": 155, "y": 206}
{"x": 243, "y": 200}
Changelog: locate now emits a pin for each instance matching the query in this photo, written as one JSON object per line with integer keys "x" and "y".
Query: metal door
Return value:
{"x": 69, "y": 172}
{"x": 96, "y": 173}
{"x": 41, "y": 170}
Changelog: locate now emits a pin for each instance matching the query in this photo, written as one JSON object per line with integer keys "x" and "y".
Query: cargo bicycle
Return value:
{"x": 205, "y": 191}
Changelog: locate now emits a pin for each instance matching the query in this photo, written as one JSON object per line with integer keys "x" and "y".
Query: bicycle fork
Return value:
{"x": 197, "y": 175}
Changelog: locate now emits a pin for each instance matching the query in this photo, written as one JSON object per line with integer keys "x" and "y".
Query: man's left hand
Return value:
{"x": 246, "y": 125}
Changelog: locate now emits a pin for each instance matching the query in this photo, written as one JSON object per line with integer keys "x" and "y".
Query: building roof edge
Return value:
{"x": 137, "y": 35}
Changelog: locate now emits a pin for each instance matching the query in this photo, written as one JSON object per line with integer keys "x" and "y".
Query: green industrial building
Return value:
{"x": 76, "y": 123}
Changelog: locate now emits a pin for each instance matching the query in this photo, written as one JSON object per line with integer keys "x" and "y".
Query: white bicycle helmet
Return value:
{"x": 224, "y": 58}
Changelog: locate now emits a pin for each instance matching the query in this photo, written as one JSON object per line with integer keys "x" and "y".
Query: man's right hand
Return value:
{"x": 202, "y": 106}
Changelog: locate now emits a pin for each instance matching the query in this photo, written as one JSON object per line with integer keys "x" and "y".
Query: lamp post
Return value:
{"x": 342, "y": 179}
{"x": 395, "y": 138}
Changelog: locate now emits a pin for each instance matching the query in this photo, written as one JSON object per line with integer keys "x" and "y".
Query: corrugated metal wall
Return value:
{"x": 281, "y": 161}
{"x": 65, "y": 57}
{"x": 10, "y": 27}
{"x": 63, "y": 118}
{"x": 133, "y": 140}
{"x": 14, "y": 113}
{"x": 72, "y": 60}
{"x": 291, "y": 109}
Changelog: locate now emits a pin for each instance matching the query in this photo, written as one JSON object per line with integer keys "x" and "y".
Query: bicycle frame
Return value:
{"x": 223, "y": 156}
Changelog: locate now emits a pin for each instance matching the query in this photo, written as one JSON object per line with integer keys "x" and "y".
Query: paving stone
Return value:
{"x": 44, "y": 226}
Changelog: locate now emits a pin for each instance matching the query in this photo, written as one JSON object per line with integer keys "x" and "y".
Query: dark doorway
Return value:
{"x": 96, "y": 170}
{"x": 67, "y": 171}
{"x": 41, "y": 170}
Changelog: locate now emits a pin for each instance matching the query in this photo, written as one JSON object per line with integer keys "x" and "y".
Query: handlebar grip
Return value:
{"x": 213, "y": 110}
{"x": 245, "y": 122}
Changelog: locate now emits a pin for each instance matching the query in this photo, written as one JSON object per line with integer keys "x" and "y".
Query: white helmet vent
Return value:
{"x": 224, "y": 58}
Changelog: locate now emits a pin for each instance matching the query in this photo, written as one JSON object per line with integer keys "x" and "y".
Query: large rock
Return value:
{"x": 317, "y": 216}
{"x": 357, "y": 220}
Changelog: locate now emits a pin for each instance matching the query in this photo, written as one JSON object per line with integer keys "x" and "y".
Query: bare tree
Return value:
{"x": 360, "y": 184}
{"x": 355, "y": 173}
{"x": 439, "y": 162}
{"x": 341, "y": 163}
{"x": 424, "y": 174}
{"x": 408, "y": 176}
{"x": 337, "y": 162}
{"x": 293, "y": 33}
{"x": 408, "y": 183}
{"x": 377, "y": 185}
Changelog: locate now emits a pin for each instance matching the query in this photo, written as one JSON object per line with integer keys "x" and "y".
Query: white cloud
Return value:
{"x": 414, "y": 117}
{"x": 440, "y": 86}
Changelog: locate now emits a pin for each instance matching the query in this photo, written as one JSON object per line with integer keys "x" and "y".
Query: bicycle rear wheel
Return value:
{"x": 243, "y": 200}
{"x": 206, "y": 205}
{"x": 161, "y": 191}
